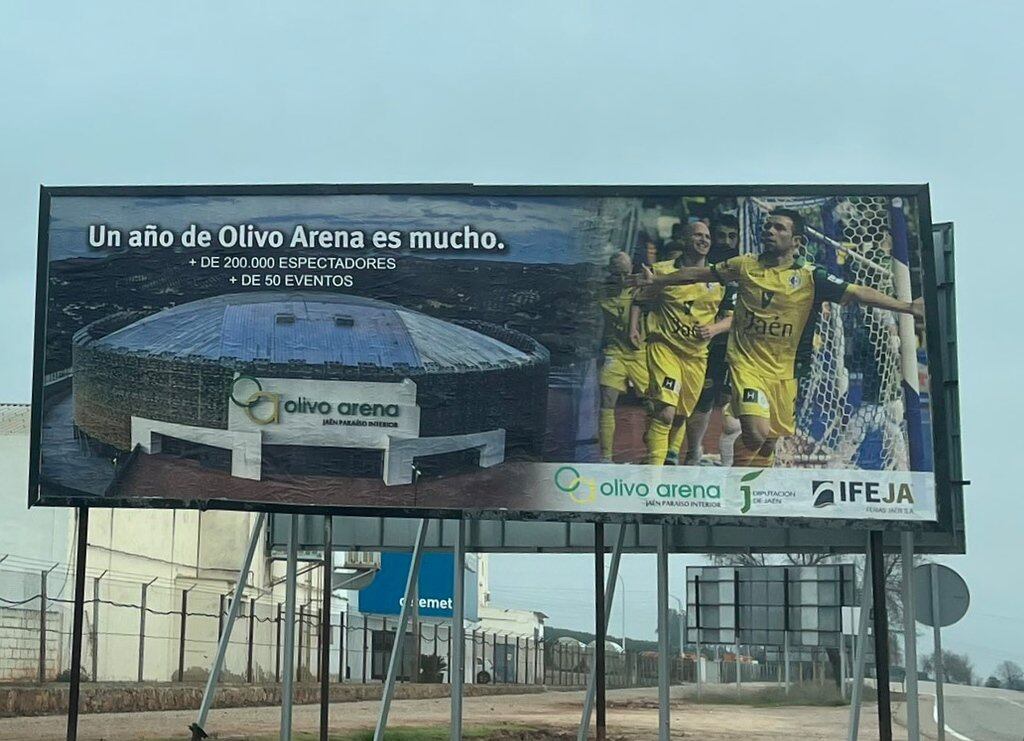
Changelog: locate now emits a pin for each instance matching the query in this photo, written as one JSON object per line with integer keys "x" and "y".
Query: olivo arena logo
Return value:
{"x": 265, "y": 407}
{"x": 584, "y": 490}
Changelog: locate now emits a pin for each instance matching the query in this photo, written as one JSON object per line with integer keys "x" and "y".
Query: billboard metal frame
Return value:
{"x": 946, "y": 534}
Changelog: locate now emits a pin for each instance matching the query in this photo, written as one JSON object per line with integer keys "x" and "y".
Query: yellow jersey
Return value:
{"x": 675, "y": 312}
{"x": 616, "y": 302}
{"x": 776, "y": 308}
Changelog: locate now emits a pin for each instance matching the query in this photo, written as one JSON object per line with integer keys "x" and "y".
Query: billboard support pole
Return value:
{"x": 881, "y": 631}
{"x": 78, "y": 619}
{"x": 940, "y": 704}
{"x": 288, "y": 657}
{"x": 736, "y": 623}
{"x": 910, "y": 636}
{"x": 698, "y": 663}
{"x": 457, "y": 638}
{"x": 664, "y": 718}
{"x": 198, "y": 732}
{"x": 859, "y": 648}
{"x": 325, "y": 628}
{"x": 403, "y": 619}
{"x": 613, "y": 575}
{"x": 600, "y": 630}
{"x": 785, "y": 626}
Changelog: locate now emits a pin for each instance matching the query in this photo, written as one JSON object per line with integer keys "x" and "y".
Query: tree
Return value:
{"x": 1011, "y": 675}
{"x": 956, "y": 668}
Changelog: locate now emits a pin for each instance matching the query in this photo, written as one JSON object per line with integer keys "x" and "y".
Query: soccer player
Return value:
{"x": 624, "y": 360}
{"x": 725, "y": 238}
{"x": 678, "y": 331}
{"x": 770, "y": 341}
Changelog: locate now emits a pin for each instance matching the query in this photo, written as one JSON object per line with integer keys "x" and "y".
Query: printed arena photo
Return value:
{"x": 661, "y": 353}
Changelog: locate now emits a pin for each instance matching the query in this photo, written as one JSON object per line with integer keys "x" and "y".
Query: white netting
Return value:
{"x": 850, "y": 410}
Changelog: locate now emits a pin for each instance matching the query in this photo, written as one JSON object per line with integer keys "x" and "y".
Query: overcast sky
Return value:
{"x": 567, "y": 92}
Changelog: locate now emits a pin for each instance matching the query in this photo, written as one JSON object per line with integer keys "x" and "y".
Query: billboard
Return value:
{"x": 759, "y": 605}
{"x": 385, "y": 595}
{"x": 628, "y": 353}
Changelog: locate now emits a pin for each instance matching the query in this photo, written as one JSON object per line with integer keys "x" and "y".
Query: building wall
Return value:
{"x": 171, "y": 550}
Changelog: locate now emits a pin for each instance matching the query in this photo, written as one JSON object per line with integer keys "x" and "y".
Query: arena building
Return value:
{"x": 314, "y": 384}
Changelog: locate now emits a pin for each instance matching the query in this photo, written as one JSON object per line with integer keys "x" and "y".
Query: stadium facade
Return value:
{"x": 310, "y": 384}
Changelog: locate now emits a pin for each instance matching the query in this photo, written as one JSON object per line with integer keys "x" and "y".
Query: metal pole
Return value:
{"x": 860, "y": 647}
{"x": 613, "y": 574}
{"x": 78, "y": 618}
{"x": 95, "y": 625}
{"x": 251, "y": 637}
{"x": 222, "y": 645}
{"x": 325, "y": 628}
{"x": 697, "y": 626}
{"x": 736, "y": 622}
{"x": 940, "y": 704}
{"x": 910, "y": 636}
{"x": 288, "y": 659}
{"x": 277, "y": 645}
{"x": 182, "y": 634}
{"x": 301, "y": 623}
{"x": 881, "y": 630}
{"x": 600, "y": 628}
{"x": 142, "y": 628}
{"x": 457, "y": 637}
{"x": 342, "y": 647}
{"x": 785, "y": 626}
{"x": 664, "y": 717}
{"x": 42, "y": 626}
{"x": 842, "y": 658}
{"x": 403, "y": 619}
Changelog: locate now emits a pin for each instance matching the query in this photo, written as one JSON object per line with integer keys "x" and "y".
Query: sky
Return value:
{"x": 568, "y": 92}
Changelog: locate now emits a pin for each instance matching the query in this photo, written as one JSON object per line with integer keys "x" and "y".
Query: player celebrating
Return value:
{"x": 725, "y": 238}
{"x": 770, "y": 341}
{"x": 624, "y": 361}
{"x": 678, "y": 332}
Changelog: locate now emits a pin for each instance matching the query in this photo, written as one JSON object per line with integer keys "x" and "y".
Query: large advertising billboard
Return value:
{"x": 540, "y": 352}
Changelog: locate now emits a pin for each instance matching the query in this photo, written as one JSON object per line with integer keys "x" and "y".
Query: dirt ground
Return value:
{"x": 632, "y": 716}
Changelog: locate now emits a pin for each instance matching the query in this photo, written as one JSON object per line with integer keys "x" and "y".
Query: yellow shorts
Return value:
{"x": 676, "y": 380}
{"x": 769, "y": 398}
{"x": 620, "y": 367}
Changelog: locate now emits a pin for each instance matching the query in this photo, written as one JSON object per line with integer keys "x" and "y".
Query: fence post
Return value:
{"x": 95, "y": 625}
{"x": 342, "y": 646}
{"x": 277, "y": 647}
{"x": 319, "y": 637}
{"x": 181, "y": 634}
{"x": 142, "y": 628}
{"x": 252, "y": 631}
{"x": 302, "y": 620}
{"x": 42, "y": 626}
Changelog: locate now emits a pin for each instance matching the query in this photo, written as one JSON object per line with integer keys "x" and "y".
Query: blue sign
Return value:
{"x": 385, "y": 594}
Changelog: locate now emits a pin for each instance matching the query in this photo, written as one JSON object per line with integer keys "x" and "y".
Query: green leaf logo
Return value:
{"x": 748, "y": 497}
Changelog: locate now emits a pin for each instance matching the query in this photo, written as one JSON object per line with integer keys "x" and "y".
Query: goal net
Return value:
{"x": 856, "y": 402}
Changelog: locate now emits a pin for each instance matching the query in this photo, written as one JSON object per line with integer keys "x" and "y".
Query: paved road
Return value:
{"x": 981, "y": 713}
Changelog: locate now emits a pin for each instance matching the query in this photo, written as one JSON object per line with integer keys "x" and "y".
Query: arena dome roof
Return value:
{"x": 310, "y": 328}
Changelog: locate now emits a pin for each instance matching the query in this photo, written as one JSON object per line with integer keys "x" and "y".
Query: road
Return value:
{"x": 980, "y": 713}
